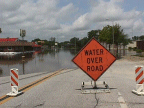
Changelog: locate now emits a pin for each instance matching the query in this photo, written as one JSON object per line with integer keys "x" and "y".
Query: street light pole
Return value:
{"x": 22, "y": 34}
{"x": 75, "y": 45}
{"x": 0, "y": 30}
{"x": 112, "y": 34}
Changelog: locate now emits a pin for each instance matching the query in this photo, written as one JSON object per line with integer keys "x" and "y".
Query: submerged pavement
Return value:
{"x": 63, "y": 89}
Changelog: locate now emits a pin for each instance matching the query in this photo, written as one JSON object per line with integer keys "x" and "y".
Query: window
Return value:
{"x": 9, "y": 48}
{"x": 1, "y": 49}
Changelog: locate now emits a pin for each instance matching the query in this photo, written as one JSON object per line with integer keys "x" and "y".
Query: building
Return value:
{"x": 9, "y": 39}
{"x": 36, "y": 47}
{"x": 140, "y": 45}
{"x": 14, "y": 45}
{"x": 132, "y": 45}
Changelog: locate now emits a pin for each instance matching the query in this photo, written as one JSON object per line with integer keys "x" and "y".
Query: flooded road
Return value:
{"x": 43, "y": 62}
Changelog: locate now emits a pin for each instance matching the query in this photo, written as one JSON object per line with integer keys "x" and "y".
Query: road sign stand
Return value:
{"x": 95, "y": 87}
{"x": 139, "y": 90}
{"x": 14, "y": 92}
{"x": 139, "y": 81}
{"x": 94, "y": 59}
{"x": 14, "y": 82}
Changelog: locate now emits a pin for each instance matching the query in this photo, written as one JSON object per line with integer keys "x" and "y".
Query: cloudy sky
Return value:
{"x": 65, "y": 19}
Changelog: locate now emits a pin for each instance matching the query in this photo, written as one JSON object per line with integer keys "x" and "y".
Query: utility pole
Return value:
{"x": 0, "y": 30}
{"x": 113, "y": 35}
{"x": 75, "y": 45}
{"x": 22, "y": 34}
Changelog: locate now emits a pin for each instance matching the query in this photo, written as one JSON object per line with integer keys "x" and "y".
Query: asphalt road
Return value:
{"x": 63, "y": 90}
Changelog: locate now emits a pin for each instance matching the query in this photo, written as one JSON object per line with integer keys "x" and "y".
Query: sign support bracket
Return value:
{"x": 95, "y": 88}
{"x": 95, "y": 85}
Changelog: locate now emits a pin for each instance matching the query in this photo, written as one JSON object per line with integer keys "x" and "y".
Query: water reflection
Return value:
{"x": 15, "y": 59}
{"x": 47, "y": 61}
{"x": 1, "y": 71}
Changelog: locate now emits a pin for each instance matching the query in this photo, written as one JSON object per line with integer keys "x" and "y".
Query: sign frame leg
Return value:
{"x": 94, "y": 87}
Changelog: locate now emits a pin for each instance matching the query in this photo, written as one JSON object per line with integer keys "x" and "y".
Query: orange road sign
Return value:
{"x": 94, "y": 59}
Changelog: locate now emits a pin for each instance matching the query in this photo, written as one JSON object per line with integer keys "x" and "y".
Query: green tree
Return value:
{"x": 75, "y": 42}
{"x": 93, "y": 33}
{"x": 36, "y": 40}
{"x": 141, "y": 37}
{"x": 51, "y": 43}
{"x": 83, "y": 42}
{"x": 135, "y": 38}
{"x": 119, "y": 35}
{"x": 46, "y": 42}
{"x": 125, "y": 41}
{"x": 64, "y": 44}
{"x": 106, "y": 35}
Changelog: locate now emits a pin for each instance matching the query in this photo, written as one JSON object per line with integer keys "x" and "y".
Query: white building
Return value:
{"x": 133, "y": 44}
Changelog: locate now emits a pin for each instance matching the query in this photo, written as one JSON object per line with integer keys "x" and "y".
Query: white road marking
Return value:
{"x": 121, "y": 101}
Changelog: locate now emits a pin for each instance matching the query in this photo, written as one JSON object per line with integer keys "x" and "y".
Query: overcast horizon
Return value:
{"x": 65, "y": 19}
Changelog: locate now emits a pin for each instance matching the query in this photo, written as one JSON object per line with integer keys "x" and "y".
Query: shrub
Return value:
{"x": 135, "y": 48}
{"x": 139, "y": 51}
{"x": 130, "y": 48}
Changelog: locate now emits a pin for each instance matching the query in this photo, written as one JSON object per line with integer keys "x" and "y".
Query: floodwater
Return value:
{"x": 43, "y": 62}
{"x": 40, "y": 62}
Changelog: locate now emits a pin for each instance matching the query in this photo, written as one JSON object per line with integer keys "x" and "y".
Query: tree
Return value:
{"x": 120, "y": 37}
{"x": 65, "y": 44}
{"x": 124, "y": 41}
{"x": 75, "y": 42}
{"x": 106, "y": 35}
{"x": 93, "y": 33}
{"x": 135, "y": 38}
{"x": 141, "y": 37}
{"x": 83, "y": 42}
{"x": 36, "y": 40}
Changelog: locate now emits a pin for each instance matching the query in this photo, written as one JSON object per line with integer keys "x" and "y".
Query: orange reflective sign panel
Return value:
{"x": 94, "y": 59}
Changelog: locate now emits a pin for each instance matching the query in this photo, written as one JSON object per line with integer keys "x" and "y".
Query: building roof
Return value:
{"x": 11, "y": 43}
{"x": 14, "y": 42}
{"x": 8, "y": 39}
{"x": 35, "y": 45}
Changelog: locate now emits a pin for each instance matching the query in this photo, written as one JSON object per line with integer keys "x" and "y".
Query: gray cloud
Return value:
{"x": 44, "y": 18}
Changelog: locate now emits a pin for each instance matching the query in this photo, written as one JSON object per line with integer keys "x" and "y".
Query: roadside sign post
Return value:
{"x": 94, "y": 60}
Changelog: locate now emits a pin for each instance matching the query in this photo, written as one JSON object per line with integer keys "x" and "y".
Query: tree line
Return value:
{"x": 108, "y": 35}
{"x": 135, "y": 38}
